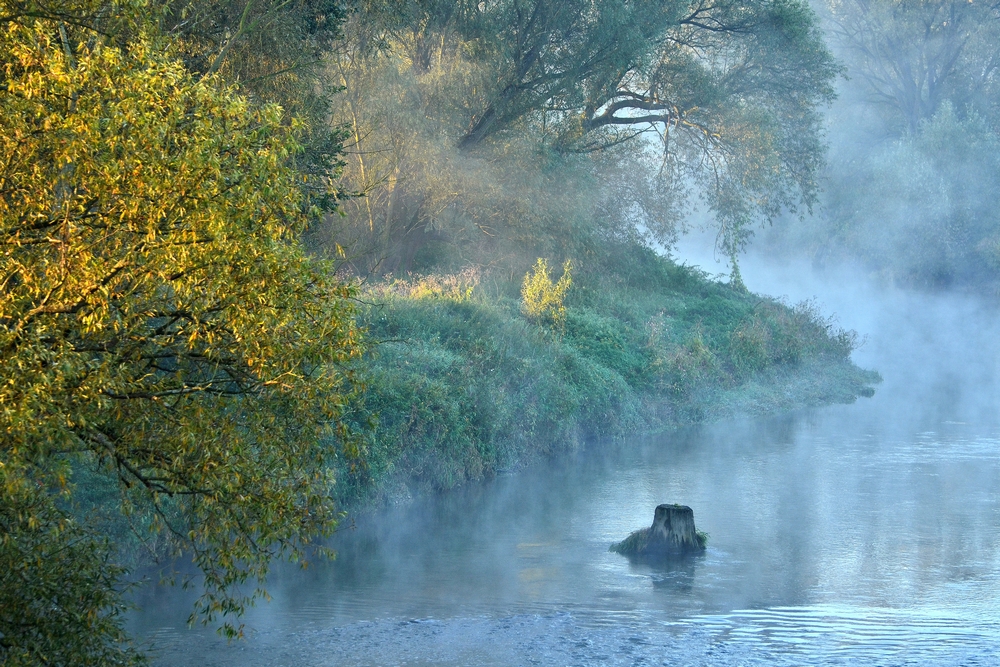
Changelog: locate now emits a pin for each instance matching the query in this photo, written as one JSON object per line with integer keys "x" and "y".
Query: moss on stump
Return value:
{"x": 672, "y": 534}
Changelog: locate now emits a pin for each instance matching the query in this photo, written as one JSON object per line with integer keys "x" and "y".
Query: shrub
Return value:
{"x": 458, "y": 287}
{"x": 542, "y": 299}
{"x": 689, "y": 366}
{"x": 748, "y": 348}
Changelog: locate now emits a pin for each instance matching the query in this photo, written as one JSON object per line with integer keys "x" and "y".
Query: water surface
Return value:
{"x": 863, "y": 534}
{"x": 830, "y": 540}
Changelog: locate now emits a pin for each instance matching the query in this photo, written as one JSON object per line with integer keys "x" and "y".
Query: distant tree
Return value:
{"x": 911, "y": 186}
{"x": 922, "y": 209}
{"x": 913, "y": 55}
{"x": 159, "y": 325}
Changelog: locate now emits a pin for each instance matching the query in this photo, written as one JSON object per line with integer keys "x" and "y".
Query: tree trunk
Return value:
{"x": 673, "y": 529}
{"x": 672, "y": 535}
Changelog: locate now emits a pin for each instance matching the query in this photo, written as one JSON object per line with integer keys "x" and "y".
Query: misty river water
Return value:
{"x": 861, "y": 534}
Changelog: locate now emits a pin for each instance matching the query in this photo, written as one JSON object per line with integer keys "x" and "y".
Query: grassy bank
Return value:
{"x": 464, "y": 384}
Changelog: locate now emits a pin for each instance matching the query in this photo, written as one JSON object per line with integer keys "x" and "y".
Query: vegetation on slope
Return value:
{"x": 465, "y": 383}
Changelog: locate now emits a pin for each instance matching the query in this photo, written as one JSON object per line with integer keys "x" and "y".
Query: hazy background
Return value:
{"x": 851, "y": 534}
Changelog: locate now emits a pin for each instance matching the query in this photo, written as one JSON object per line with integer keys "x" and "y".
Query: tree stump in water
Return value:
{"x": 672, "y": 534}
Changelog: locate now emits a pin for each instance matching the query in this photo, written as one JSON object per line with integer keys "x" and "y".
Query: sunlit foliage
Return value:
{"x": 543, "y": 299}
{"x": 159, "y": 324}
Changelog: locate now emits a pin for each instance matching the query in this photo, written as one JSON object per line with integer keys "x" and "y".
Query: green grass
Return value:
{"x": 464, "y": 385}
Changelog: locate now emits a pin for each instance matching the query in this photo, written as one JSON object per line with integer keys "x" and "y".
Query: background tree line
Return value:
{"x": 912, "y": 181}
{"x": 479, "y": 130}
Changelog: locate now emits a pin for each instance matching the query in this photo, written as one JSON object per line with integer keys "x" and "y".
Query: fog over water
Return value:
{"x": 861, "y": 534}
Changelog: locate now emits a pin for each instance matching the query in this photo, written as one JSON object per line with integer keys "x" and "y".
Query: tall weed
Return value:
{"x": 542, "y": 299}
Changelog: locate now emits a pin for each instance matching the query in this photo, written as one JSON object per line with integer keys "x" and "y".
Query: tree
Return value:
{"x": 275, "y": 51}
{"x": 729, "y": 89}
{"x": 160, "y": 324}
{"x": 914, "y": 55}
{"x": 913, "y": 171}
{"x": 934, "y": 195}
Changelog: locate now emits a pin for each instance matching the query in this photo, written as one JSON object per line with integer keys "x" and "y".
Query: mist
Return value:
{"x": 863, "y": 533}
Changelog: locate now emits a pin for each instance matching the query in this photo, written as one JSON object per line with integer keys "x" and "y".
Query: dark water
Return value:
{"x": 854, "y": 535}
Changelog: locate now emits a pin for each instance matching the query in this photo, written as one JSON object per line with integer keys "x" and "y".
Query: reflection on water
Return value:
{"x": 833, "y": 538}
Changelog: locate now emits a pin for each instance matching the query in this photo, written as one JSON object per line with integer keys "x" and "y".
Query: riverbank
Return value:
{"x": 463, "y": 384}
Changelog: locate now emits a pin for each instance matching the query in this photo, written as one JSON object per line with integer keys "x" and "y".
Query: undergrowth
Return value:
{"x": 464, "y": 384}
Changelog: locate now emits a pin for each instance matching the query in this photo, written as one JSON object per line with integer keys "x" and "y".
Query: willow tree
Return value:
{"x": 729, "y": 91}
{"x": 160, "y": 326}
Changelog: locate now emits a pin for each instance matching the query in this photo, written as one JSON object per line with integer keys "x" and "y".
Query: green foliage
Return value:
{"x": 748, "y": 345}
{"x": 466, "y": 386}
{"x": 689, "y": 366}
{"x": 60, "y": 598}
{"x": 275, "y": 51}
{"x": 541, "y": 299}
{"x": 775, "y": 335}
{"x": 269, "y": 45}
{"x": 471, "y": 387}
{"x": 609, "y": 342}
{"x": 572, "y": 117}
{"x": 160, "y": 326}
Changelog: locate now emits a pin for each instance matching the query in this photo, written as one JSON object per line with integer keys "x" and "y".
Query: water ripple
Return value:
{"x": 864, "y": 635}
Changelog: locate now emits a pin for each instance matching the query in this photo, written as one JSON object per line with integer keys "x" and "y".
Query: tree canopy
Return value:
{"x": 914, "y": 55}
{"x": 728, "y": 91}
{"x": 159, "y": 325}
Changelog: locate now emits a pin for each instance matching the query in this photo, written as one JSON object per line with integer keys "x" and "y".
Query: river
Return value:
{"x": 862, "y": 534}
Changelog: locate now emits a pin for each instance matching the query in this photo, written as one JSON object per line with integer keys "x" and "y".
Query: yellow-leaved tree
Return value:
{"x": 159, "y": 326}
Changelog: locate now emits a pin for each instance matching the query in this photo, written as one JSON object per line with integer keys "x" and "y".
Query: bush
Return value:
{"x": 542, "y": 299}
